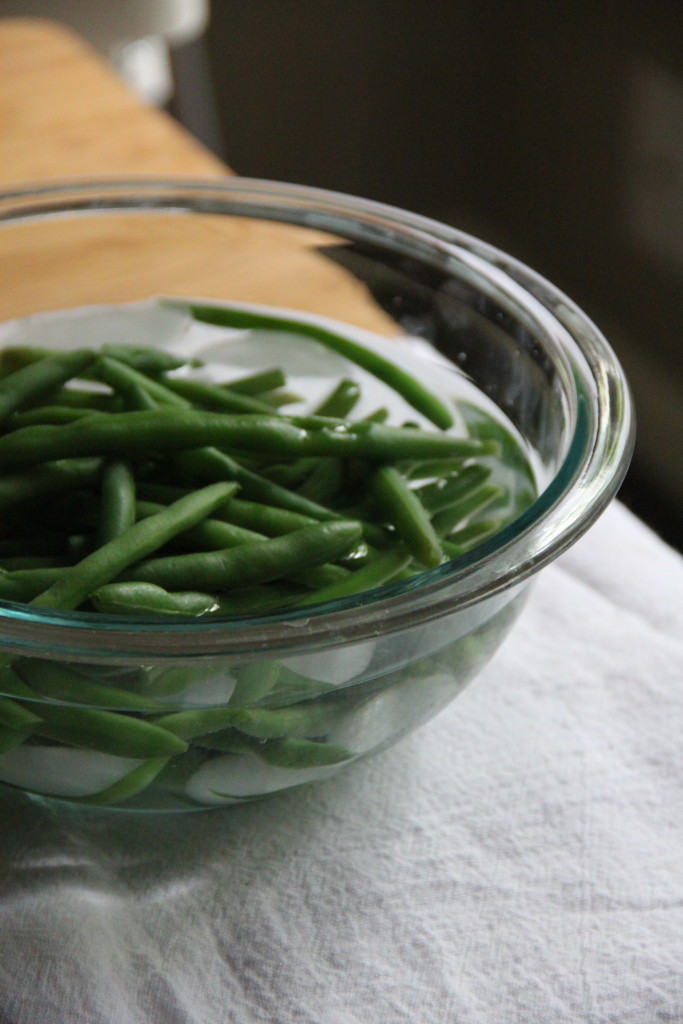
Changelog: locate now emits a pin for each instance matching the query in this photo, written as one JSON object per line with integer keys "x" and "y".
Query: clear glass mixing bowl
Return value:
{"x": 354, "y": 675}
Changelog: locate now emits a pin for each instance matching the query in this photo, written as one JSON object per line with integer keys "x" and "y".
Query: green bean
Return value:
{"x": 298, "y": 721}
{"x": 135, "y": 598}
{"x": 291, "y": 474}
{"x": 211, "y": 464}
{"x": 47, "y": 479}
{"x": 59, "y": 682}
{"x": 380, "y": 415}
{"x": 404, "y": 510}
{"x": 15, "y": 716}
{"x": 257, "y": 599}
{"x": 483, "y": 427}
{"x": 117, "y": 508}
{"x": 108, "y": 732}
{"x": 403, "y": 383}
{"x": 247, "y": 564}
{"x": 84, "y": 398}
{"x": 341, "y": 400}
{"x": 290, "y": 752}
{"x": 286, "y": 752}
{"x": 293, "y": 687}
{"x": 375, "y": 573}
{"x": 130, "y": 785}
{"x": 429, "y": 469}
{"x": 123, "y": 378}
{"x": 258, "y": 383}
{"x": 325, "y": 481}
{"x": 167, "y": 681}
{"x": 448, "y": 519}
{"x": 252, "y": 515}
{"x": 39, "y": 378}
{"x": 445, "y": 492}
{"x": 146, "y": 359}
{"x": 51, "y": 414}
{"x": 137, "y": 399}
{"x": 216, "y": 397}
{"x": 102, "y": 565}
{"x": 33, "y": 562}
{"x": 211, "y": 533}
{"x": 11, "y": 738}
{"x": 278, "y": 399}
{"x": 15, "y": 357}
{"x": 188, "y": 724}
{"x": 215, "y": 534}
{"x": 13, "y": 686}
{"x": 464, "y": 539}
{"x": 22, "y": 585}
{"x": 254, "y": 682}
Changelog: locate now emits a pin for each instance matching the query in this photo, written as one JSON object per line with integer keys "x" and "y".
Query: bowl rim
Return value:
{"x": 588, "y": 480}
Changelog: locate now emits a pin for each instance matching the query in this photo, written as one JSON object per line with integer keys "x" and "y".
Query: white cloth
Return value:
{"x": 517, "y": 860}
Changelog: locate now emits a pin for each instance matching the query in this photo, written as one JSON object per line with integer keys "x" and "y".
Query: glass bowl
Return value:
{"x": 304, "y": 691}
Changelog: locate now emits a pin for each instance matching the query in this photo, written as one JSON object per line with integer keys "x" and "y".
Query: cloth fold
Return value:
{"x": 515, "y": 860}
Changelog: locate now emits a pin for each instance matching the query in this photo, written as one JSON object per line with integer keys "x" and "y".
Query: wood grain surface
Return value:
{"x": 65, "y": 114}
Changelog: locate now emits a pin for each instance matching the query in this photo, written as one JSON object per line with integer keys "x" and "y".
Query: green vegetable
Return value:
{"x": 104, "y": 564}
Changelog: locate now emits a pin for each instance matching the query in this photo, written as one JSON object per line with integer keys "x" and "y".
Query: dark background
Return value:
{"x": 553, "y": 131}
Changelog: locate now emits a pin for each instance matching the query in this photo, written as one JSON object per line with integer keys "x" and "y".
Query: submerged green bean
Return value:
{"x": 130, "y": 785}
{"x": 108, "y": 732}
{"x": 260, "y": 562}
{"x": 403, "y": 508}
{"x": 104, "y": 564}
{"x": 135, "y": 598}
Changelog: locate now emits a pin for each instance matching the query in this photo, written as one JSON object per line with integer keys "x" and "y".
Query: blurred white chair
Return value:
{"x": 136, "y": 36}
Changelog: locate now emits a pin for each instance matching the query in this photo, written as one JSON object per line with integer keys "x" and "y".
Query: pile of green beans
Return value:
{"x": 129, "y": 486}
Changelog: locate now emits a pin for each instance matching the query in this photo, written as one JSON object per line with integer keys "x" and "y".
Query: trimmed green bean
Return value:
{"x": 104, "y": 564}
{"x": 247, "y": 564}
{"x": 464, "y": 539}
{"x": 15, "y": 716}
{"x": 108, "y": 732}
{"x": 188, "y": 724}
{"x": 286, "y": 752}
{"x": 211, "y": 533}
{"x": 446, "y": 491}
{"x": 39, "y": 378}
{"x": 253, "y": 516}
{"x": 375, "y": 573}
{"x": 215, "y": 534}
{"x": 299, "y": 721}
{"x": 341, "y": 400}
{"x": 47, "y": 479}
{"x": 146, "y": 359}
{"x": 216, "y": 397}
{"x": 257, "y": 383}
{"x": 448, "y": 519}
{"x": 117, "y": 508}
{"x": 414, "y": 392}
{"x": 254, "y": 682}
{"x": 135, "y": 598}
{"x": 404, "y": 510}
{"x": 11, "y": 738}
{"x": 325, "y": 481}
{"x": 59, "y": 682}
{"x": 130, "y": 785}
{"x": 123, "y": 378}
{"x": 22, "y": 585}
{"x": 55, "y": 415}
